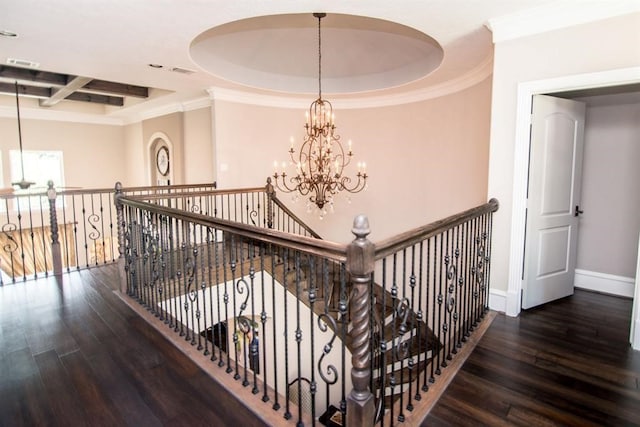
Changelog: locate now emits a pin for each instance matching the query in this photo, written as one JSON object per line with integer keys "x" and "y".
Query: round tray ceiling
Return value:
{"x": 280, "y": 53}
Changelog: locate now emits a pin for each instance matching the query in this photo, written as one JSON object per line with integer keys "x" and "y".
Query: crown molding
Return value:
{"x": 475, "y": 76}
{"x": 60, "y": 116}
{"x": 196, "y": 104}
{"x": 555, "y": 16}
{"x": 177, "y": 107}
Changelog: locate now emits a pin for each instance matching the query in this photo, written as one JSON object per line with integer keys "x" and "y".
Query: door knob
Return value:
{"x": 578, "y": 211}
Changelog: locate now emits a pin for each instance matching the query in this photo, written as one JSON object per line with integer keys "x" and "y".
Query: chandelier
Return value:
{"x": 321, "y": 160}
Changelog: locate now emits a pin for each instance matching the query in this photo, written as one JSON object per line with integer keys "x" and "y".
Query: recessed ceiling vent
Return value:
{"x": 182, "y": 70}
{"x": 22, "y": 63}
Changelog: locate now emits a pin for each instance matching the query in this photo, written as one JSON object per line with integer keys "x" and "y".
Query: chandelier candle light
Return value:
{"x": 321, "y": 161}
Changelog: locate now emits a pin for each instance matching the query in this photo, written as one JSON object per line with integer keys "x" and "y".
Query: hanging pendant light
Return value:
{"x": 321, "y": 161}
{"x": 22, "y": 184}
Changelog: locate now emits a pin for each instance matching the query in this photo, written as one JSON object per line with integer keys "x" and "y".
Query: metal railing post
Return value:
{"x": 56, "y": 254}
{"x": 360, "y": 264}
{"x": 121, "y": 225}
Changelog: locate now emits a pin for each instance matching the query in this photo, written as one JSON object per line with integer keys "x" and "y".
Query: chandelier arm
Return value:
{"x": 359, "y": 185}
{"x": 282, "y": 178}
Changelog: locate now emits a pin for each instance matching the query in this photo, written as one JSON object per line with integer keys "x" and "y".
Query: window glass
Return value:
{"x": 39, "y": 168}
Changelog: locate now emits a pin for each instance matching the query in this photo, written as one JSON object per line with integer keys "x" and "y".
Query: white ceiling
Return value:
{"x": 370, "y": 48}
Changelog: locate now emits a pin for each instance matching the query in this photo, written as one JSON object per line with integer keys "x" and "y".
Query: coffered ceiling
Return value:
{"x": 131, "y": 57}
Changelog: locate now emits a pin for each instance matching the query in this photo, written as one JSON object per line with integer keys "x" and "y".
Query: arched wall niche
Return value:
{"x": 161, "y": 159}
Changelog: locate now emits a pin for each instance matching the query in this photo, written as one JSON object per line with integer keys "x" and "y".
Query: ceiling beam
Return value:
{"x": 34, "y": 91}
{"x": 116, "y": 101}
{"x": 54, "y": 87}
{"x": 62, "y": 93}
{"x": 17, "y": 73}
{"x": 117, "y": 88}
{"x": 45, "y": 92}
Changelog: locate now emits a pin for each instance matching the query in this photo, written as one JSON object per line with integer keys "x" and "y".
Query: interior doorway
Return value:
{"x": 526, "y": 90}
{"x": 602, "y": 208}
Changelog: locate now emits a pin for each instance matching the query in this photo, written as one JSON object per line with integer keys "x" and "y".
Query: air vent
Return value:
{"x": 182, "y": 70}
{"x": 22, "y": 63}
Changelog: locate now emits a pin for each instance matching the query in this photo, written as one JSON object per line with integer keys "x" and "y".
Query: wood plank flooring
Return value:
{"x": 567, "y": 363}
{"x": 74, "y": 354}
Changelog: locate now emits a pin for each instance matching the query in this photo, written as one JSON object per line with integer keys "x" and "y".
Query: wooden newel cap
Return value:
{"x": 361, "y": 226}
{"x": 360, "y": 253}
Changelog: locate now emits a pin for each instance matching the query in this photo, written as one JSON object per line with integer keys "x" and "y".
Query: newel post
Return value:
{"x": 270, "y": 194}
{"x": 360, "y": 262}
{"x": 53, "y": 223}
{"x": 121, "y": 225}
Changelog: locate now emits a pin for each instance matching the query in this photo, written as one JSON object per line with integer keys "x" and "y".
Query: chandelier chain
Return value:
{"x": 319, "y": 58}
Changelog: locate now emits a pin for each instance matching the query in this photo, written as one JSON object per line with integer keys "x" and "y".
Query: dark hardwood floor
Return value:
{"x": 74, "y": 354}
{"x": 567, "y": 363}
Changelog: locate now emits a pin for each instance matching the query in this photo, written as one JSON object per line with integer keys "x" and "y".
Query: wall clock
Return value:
{"x": 162, "y": 161}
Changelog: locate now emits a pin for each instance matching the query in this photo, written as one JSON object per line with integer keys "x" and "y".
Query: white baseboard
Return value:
{"x": 635, "y": 343}
{"x": 605, "y": 283}
{"x": 498, "y": 300}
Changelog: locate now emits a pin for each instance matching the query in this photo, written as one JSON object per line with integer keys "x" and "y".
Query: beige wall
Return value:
{"x": 134, "y": 157}
{"x": 92, "y": 153}
{"x": 198, "y": 147}
{"x": 608, "y": 237}
{"x": 426, "y": 159}
{"x": 605, "y": 45}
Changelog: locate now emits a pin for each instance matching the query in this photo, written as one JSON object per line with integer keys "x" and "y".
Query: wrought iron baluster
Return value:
{"x": 488, "y": 258}
{"x": 217, "y": 246}
{"x": 467, "y": 279}
{"x": 345, "y": 313}
{"x": 225, "y": 256}
{"x": 285, "y": 283}
{"x": 425, "y": 315}
{"x": 276, "y": 405}
{"x": 414, "y": 336}
{"x": 111, "y": 234}
{"x": 439, "y": 261}
{"x": 263, "y": 322}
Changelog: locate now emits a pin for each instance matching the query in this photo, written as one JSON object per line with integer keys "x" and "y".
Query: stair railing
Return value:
{"x": 228, "y": 271}
{"x": 432, "y": 287}
{"x": 56, "y": 231}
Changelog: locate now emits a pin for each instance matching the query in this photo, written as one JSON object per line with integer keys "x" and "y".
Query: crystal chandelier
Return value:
{"x": 321, "y": 160}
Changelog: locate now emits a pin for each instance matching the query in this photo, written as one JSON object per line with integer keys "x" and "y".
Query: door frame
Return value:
{"x": 525, "y": 93}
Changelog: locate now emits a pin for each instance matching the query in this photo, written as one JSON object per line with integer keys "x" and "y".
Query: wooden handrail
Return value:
{"x": 411, "y": 237}
{"x": 77, "y": 191}
{"x": 168, "y": 187}
{"x": 193, "y": 193}
{"x": 314, "y": 246}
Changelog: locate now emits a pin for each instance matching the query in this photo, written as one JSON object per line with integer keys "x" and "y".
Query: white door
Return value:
{"x": 553, "y": 206}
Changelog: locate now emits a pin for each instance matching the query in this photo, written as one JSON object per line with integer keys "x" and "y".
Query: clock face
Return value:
{"x": 162, "y": 161}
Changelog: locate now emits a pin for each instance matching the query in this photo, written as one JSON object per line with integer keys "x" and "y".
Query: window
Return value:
{"x": 39, "y": 168}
